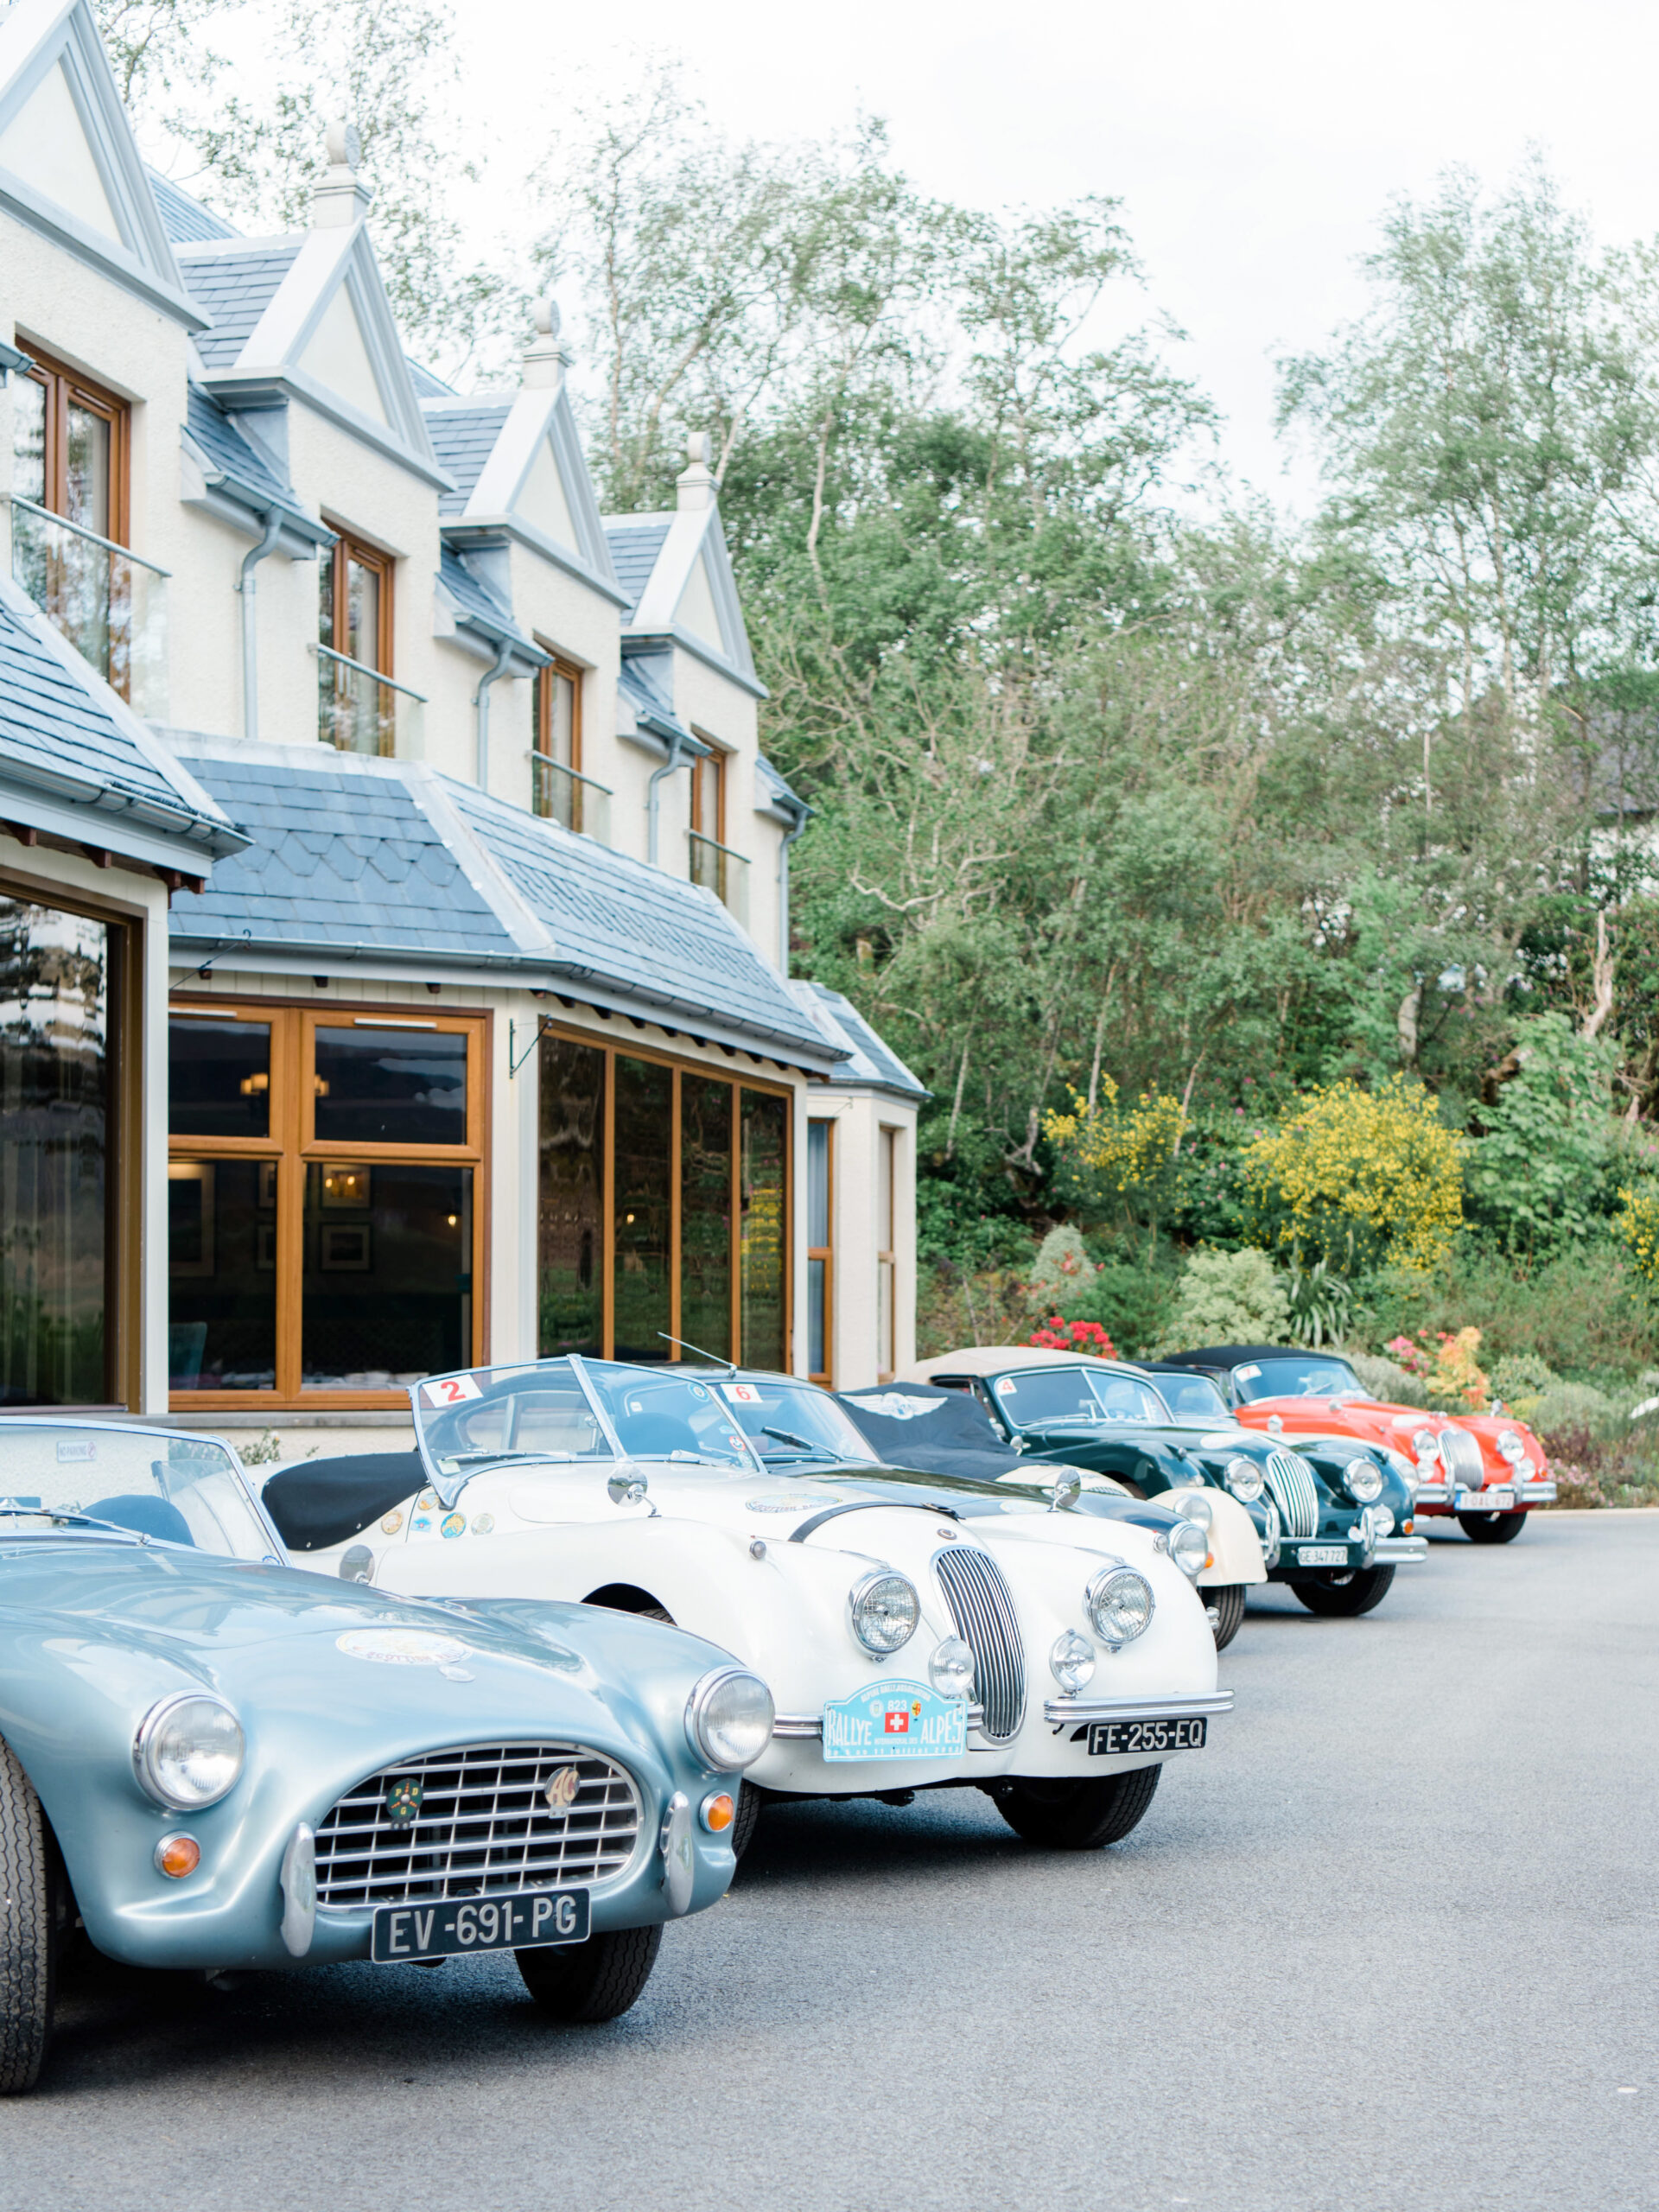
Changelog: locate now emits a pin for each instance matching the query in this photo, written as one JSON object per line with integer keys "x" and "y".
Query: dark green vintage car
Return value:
{"x": 1334, "y": 1517}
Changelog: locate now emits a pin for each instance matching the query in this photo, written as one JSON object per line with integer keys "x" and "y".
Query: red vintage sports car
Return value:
{"x": 1486, "y": 1468}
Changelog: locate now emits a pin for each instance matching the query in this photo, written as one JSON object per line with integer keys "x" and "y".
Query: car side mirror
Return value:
{"x": 627, "y": 1489}
{"x": 1067, "y": 1490}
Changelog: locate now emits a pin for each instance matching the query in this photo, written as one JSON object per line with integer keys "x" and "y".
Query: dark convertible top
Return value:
{"x": 937, "y": 1432}
{"x": 322, "y": 1501}
{"x": 1235, "y": 1355}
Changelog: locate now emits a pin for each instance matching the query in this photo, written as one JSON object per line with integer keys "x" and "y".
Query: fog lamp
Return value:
{"x": 177, "y": 1856}
{"x": 717, "y": 1813}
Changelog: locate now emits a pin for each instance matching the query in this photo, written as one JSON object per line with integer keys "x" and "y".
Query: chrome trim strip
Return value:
{"x": 1059, "y": 1710}
{"x": 1536, "y": 1493}
{"x": 1394, "y": 1550}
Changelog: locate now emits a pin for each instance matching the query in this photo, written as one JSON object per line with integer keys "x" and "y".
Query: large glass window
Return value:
{"x": 820, "y": 1254}
{"x": 663, "y": 1209}
{"x": 58, "y": 997}
{"x": 323, "y": 1188}
{"x": 354, "y": 603}
{"x": 570, "y": 1212}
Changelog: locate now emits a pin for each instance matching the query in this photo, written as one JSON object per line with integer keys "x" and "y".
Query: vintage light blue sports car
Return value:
{"x": 212, "y": 1761}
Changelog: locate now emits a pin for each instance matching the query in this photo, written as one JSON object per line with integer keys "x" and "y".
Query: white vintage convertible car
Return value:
{"x": 915, "y": 1633}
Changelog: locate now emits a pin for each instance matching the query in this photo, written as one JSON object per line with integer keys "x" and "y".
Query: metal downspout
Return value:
{"x": 481, "y": 701}
{"x": 801, "y": 819}
{"x": 249, "y": 590}
{"x": 676, "y": 747}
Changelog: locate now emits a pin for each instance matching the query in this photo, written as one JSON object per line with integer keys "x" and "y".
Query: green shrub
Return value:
{"x": 1386, "y": 1381}
{"x": 1061, "y": 1270}
{"x": 953, "y": 1229}
{"x": 1540, "y": 1176}
{"x": 1567, "y": 1407}
{"x": 1583, "y": 1313}
{"x": 1134, "y": 1305}
{"x": 1228, "y": 1298}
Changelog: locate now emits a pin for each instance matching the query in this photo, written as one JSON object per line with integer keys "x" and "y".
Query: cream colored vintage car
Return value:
{"x": 915, "y": 1633}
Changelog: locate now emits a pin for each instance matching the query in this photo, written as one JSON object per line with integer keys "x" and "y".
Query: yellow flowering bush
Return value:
{"x": 1127, "y": 1156}
{"x": 1360, "y": 1176}
{"x": 1638, "y": 1223}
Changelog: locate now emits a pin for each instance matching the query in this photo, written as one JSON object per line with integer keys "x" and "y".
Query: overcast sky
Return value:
{"x": 1252, "y": 146}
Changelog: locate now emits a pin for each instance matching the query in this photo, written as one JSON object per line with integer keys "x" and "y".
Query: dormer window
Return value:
{"x": 713, "y": 863}
{"x": 354, "y": 587}
{"x": 559, "y": 790}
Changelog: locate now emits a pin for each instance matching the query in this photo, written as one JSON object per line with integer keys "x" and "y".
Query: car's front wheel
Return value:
{"x": 1345, "y": 1597}
{"x": 1225, "y": 1606}
{"x": 1491, "y": 1528}
{"x": 748, "y": 1814}
{"x": 28, "y": 1941}
{"x": 1076, "y": 1816}
{"x": 584, "y": 1983}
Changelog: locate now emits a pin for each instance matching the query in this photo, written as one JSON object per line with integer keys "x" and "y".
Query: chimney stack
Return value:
{"x": 338, "y": 200}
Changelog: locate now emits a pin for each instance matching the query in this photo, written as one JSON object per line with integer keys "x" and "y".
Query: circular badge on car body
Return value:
{"x": 403, "y": 1647}
{"x": 454, "y": 1524}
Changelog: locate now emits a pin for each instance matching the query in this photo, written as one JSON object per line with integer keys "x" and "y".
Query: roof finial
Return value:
{"x": 340, "y": 199}
{"x": 544, "y": 357}
{"x": 695, "y": 485}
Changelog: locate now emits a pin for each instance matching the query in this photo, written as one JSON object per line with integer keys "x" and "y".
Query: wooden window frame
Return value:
{"x": 825, "y": 1252}
{"x": 124, "y": 1352}
{"x": 740, "y": 1082}
{"x": 63, "y": 385}
{"x": 887, "y": 1136}
{"x": 292, "y": 1141}
{"x": 715, "y": 759}
{"x": 349, "y": 547}
{"x": 573, "y": 674}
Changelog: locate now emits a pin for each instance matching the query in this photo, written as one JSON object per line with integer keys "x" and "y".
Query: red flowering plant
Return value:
{"x": 1056, "y": 1335}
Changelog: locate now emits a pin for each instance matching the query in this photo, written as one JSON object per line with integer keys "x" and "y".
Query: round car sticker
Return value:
{"x": 454, "y": 1524}
{"x": 698, "y": 1391}
{"x": 392, "y": 1523}
{"x": 482, "y": 1523}
{"x": 402, "y": 1647}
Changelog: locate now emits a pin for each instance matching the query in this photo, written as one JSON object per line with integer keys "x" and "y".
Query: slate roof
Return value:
{"x": 650, "y": 705}
{"x": 473, "y": 597}
{"x": 778, "y": 791}
{"x": 635, "y": 543}
{"x": 184, "y": 218}
{"x": 463, "y": 438}
{"x": 343, "y": 857}
{"x": 427, "y": 384}
{"x": 234, "y": 283}
{"x": 61, "y": 737}
{"x": 236, "y": 456}
{"x": 618, "y": 922}
{"x": 870, "y": 1062}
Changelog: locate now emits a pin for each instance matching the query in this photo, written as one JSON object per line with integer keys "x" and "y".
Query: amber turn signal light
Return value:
{"x": 178, "y": 1855}
{"x": 1405, "y": 1528}
{"x": 718, "y": 1813}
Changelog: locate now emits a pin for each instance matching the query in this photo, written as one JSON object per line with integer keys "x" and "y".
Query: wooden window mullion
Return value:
{"x": 608, "y": 1210}
{"x": 674, "y": 1174}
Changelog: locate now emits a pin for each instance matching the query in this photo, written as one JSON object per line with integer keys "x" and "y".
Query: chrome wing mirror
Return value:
{"x": 626, "y": 1488}
{"x": 1067, "y": 1490}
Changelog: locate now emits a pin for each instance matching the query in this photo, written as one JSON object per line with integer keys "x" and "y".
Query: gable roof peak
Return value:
{"x": 340, "y": 199}
{"x": 695, "y": 487}
{"x": 545, "y": 358}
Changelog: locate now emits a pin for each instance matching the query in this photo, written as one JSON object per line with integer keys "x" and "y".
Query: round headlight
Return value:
{"x": 1189, "y": 1547}
{"x": 188, "y": 1752}
{"x": 1402, "y": 1467}
{"x": 1510, "y": 1446}
{"x": 1192, "y": 1506}
{"x": 1243, "y": 1478}
{"x": 1381, "y": 1520}
{"x": 1364, "y": 1478}
{"x": 729, "y": 1718}
{"x": 1427, "y": 1446}
{"x": 1071, "y": 1661}
{"x": 1119, "y": 1601}
{"x": 884, "y": 1609}
{"x": 951, "y": 1669}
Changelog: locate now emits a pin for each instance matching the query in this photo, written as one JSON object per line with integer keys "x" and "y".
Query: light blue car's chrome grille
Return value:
{"x": 982, "y": 1605}
{"x": 480, "y": 1818}
{"x": 1461, "y": 1452}
{"x": 1294, "y": 1492}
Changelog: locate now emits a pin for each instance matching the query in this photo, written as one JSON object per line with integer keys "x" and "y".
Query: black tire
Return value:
{"x": 1345, "y": 1597}
{"x": 1078, "y": 1815}
{"x": 1228, "y": 1602}
{"x": 1491, "y": 1528}
{"x": 28, "y": 1940}
{"x": 583, "y": 1984}
{"x": 748, "y": 1814}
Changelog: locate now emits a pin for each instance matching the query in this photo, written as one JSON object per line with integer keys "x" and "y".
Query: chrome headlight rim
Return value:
{"x": 148, "y": 1751}
{"x": 951, "y": 1668}
{"x": 1193, "y": 1506}
{"x": 1510, "y": 1447}
{"x": 1245, "y": 1479}
{"x": 1363, "y": 1480}
{"x": 859, "y": 1597}
{"x": 1190, "y": 1556}
{"x": 1071, "y": 1661}
{"x": 1426, "y": 1443}
{"x": 1117, "y": 1581}
{"x": 699, "y": 1724}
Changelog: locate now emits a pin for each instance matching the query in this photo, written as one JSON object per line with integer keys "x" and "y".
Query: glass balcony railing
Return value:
{"x": 725, "y": 873}
{"x": 361, "y": 710}
{"x": 107, "y": 601}
{"x": 564, "y": 795}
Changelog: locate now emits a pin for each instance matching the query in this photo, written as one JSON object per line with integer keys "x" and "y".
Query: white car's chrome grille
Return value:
{"x": 1461, "y": 1452}
{"x": 483, "y": 1817}
{"x": 1294, "y": 1492}
{"x": 982, "y": 1605}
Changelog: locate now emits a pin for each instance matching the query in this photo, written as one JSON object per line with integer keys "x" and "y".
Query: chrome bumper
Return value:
{"x": 1396, "y": 1551}
{"x": 1057, "y": 1711}
{"x": 1455, "y": 1499}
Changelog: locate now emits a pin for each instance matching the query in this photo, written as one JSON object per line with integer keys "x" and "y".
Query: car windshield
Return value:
{"x": 1041, "y": 1397}
{"x": 1193, "y": 1400}
{"x": 145, "y": 1482}
{"x": 1310, "y": 1375}
{"x": 542, "y": 1412}
{"x": 792, "y": 1421}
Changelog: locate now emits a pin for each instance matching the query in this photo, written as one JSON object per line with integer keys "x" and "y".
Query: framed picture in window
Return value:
{"x": 267, "y": 1198}
{"x": 346, "y": 1247}
{"x": 346, "y": 1189}
{"x": 190, "y": 1218}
